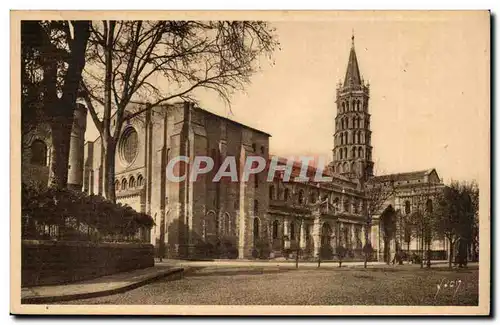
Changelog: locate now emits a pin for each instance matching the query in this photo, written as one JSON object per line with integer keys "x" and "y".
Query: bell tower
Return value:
{"x": 352, "y": 150}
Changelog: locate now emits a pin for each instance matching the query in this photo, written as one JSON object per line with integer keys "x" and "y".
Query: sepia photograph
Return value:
{"x": 250, "y": 163}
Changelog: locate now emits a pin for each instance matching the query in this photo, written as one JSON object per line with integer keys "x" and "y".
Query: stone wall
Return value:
{"x": 56, "y": 262}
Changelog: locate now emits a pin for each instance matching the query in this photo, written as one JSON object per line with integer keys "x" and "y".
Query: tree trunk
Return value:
{"x": 367, "y": 242}
{"x": 422, "y": 251}
{"x": 450, "y": 257}
{"x": 61, "y": 111}
{"x": 428, "y": 254}
{"x": 109, "y": 170}
{"x": 61, "y": 134}
{"x": 387, "y": 250}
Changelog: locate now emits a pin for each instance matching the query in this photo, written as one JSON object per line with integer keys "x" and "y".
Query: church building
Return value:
{"x": 254, "y": 219}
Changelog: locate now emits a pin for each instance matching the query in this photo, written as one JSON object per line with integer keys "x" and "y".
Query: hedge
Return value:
{"x": 77, "y": 216}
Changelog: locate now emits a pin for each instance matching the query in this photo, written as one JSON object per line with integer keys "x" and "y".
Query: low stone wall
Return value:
{"x": 58, "y": 262}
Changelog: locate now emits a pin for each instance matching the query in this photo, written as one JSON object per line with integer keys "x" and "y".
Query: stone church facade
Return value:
{"x": 278, "y": 217}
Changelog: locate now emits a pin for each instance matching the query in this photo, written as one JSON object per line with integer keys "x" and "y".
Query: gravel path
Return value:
{"x": 273, "y": 286}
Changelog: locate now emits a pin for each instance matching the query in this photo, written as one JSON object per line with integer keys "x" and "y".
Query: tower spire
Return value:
{"x": 352, "y": 76}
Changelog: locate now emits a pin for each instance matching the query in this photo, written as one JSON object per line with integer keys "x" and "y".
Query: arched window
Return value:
{"x": 124, "y": 184}
{"x": 117, "y": 185}
{"x": 358, "y": 105}
{"x": 39, "y": 153}
{"x": 301, "y": 197}
{"x": 339, "y": 167}
{"x": 256, "y": 230}
{"x": 211, "y": 224}
{"x": 275, "y": 229}
{"x": 346, "y": 166}
{"x": 341, "y": 153}
{"x": 353, "y": 152}
{"x": 407, "y": 207}
{"x": 326, "y": 234}
{"x": 292, "y": 231}
{"x": 360, "y": 152}
{"x": 428, "y": 206}
{"x": 140, "y": 181}
{"x": 271, "y": 192}
{"x": 343, "y": 107}
{"x": 255, "y": 207}
{"x": 131, "y": 182}
{"x": 286, "y": 194}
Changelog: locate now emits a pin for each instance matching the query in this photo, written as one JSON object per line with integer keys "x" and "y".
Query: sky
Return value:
{"x": 429, "y": 88}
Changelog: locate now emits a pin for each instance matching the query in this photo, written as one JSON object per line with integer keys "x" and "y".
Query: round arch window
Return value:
{"x": 129, "y": 145}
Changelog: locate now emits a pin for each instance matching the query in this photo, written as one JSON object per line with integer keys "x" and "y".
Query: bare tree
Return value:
{"x": 378, "y": 191}
{"x": 131, "y": 56}
{"x": 422, "y": 218}
{"x": 456, "y": 212}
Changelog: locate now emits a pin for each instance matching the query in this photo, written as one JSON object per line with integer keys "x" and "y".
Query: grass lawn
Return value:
{"x": 401, "y": 285}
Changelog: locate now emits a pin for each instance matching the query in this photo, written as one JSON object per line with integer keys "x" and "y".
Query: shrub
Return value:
{"x": 73, "y": 215}
{"x": 261, "y": 249}
{"x": 341, "y": 254}
{"x": 326, "y": 252}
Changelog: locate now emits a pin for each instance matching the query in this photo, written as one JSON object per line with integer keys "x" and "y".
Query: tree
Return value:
{"x": 378, "y": 191}
{"x": 474, "y": 235}
{"x": 419, "y": 223}
{"x": 130, "y": 56}
{"x": 341, "y": 253}
{"x": 456, "y": 211}
{"x": 53, "y": 57}
{"x": 408, "y": 231}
